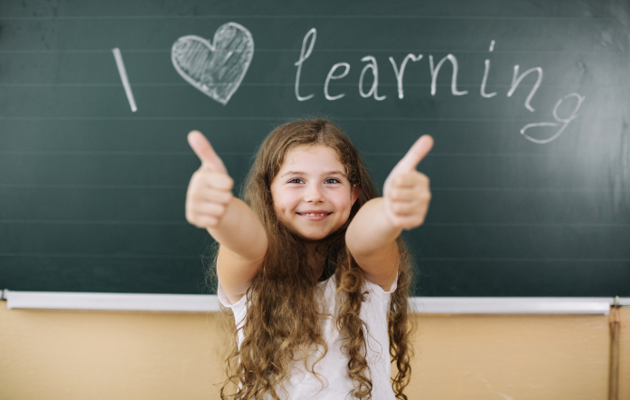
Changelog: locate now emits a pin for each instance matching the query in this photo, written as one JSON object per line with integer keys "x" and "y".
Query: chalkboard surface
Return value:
{"x": 528, "y": 102}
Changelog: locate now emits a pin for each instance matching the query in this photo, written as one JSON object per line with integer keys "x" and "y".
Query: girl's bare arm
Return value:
{"x": 372, "y": 233}
{"x": 210, "y": 205}
{"x": 371, "y": 240}
{"x": 243, "y": 244}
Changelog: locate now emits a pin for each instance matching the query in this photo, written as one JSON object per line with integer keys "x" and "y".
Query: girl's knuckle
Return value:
{"x": 194, "y": 220}
{"x": 222, "y": 181}
{"x": 224, "y": 198}
{"x": 220, "y": 210}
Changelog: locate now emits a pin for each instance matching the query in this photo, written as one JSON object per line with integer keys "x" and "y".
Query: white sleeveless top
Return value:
{"x": 333, "y": 368}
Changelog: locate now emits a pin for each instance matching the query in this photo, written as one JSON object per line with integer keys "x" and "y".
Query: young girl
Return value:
{"x": 312, "y": 264}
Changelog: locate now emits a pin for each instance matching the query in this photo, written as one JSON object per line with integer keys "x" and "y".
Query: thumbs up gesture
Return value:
{"x": 406, "y": 191}
{"x": 210, "y": 188}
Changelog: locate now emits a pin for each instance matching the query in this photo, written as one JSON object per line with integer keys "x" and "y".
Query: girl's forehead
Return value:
{"x": 313, "y": 156}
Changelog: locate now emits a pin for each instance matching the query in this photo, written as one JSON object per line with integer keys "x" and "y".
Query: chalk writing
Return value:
{"x": 332, "y": 76}
{"x": 516, "y": 81}
{"x": 308, "y": 44}
{"x": 373, "y": 90}
{"x": 561, "y": 121}
{"x": 436, "y": 70}
{"x": 303, "y": 56}
{"x": 401, "y": 72}
{"x": 482, "y": 90}
{"x": 216, "y": 69}
{"x": 123, "y": 77}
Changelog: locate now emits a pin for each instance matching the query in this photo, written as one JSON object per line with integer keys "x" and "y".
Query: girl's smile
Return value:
{"x": 314, "y": 215}
{"x": 311, "y": 193}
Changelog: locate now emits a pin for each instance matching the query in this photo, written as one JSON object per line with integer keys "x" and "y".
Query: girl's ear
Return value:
{"x": 355, "y": 193}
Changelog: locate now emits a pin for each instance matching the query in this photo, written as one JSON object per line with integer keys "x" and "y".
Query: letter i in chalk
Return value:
{"x": 123, "y": 77}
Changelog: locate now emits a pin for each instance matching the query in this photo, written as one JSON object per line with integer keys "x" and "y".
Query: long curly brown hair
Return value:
{"x": 282, "y": 322}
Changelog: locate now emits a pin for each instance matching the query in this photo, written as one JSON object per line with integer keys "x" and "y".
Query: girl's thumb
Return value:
{"x": 416, "y": 153}
{"x": 202, "y": 148}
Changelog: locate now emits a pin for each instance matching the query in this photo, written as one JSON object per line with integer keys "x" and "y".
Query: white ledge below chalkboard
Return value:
{"x": 205, "y": 303}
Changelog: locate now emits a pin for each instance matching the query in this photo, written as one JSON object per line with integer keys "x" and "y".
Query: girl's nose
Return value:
{"x": 314, "y": 194}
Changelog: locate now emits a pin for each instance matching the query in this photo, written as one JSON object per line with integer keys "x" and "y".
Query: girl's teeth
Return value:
{"x": 314, "y": 215}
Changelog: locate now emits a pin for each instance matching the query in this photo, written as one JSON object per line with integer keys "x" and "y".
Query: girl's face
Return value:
{"x": 311, "y": 193}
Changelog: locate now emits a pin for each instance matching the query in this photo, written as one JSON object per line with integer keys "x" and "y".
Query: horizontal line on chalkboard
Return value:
{"x": 525, "y": 224}
{"x": 49, "y": 186}
{"x": 91, "y": 222}
{"x": 441, "y": 259}
{"x": 434, "y": 224}
{"x": 122, "y": 153}
{"x": 180, "y": 187}
{"x": 79, "y": 255}
{"x": 252, "y": 153}
{"x": 447, "y": 189}
{"x": 515, "y": 259}
{"x": 334, "y": 16}
{"x": 241, "y": 118}
{"x": 415, "y": 50}
{"x": 303, "y": 85}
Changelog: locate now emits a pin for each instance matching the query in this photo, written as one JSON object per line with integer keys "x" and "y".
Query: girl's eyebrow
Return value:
{"x": 304, "y": 173}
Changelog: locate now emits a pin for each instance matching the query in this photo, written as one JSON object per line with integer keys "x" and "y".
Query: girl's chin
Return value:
{"x": 309, "y": 234}
{"x": 312, "y": 236}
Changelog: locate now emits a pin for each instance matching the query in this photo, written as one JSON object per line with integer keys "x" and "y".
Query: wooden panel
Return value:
{"x": 74, "y": 355}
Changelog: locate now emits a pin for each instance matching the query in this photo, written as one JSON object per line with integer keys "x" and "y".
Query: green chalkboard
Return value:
{"x": 528, "y": 102}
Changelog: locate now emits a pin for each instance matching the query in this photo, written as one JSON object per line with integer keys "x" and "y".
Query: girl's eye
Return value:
{"x": 294, "y": 180}
{"x": 332, "y": 180}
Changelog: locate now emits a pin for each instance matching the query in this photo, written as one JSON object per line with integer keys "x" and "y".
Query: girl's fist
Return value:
{"x": 406, "y": 191}
{"x": 210, "y": 188}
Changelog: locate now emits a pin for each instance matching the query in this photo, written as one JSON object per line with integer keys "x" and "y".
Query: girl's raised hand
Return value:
{"x": 210, "y": 188}
{"x": 406, "y": 191}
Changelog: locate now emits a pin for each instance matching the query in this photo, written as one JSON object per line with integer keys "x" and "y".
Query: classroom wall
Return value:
{"x": 50, "y": 355}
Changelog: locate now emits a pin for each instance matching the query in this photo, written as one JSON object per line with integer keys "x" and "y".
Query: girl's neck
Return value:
{"x": 315, "y": 256}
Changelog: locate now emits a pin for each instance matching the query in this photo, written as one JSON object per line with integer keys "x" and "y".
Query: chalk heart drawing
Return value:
{"x": 218, "y": 68}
